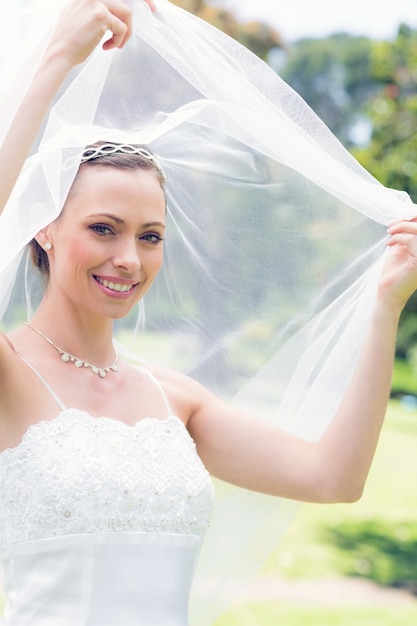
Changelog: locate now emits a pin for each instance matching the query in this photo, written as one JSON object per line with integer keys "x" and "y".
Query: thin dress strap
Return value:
{"x": 44, "y": 382}
{"x": 62, "y": 405}
{"x": 158, "y": 384}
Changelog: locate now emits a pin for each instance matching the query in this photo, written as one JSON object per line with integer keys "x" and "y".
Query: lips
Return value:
{"x": 115, "y": 286}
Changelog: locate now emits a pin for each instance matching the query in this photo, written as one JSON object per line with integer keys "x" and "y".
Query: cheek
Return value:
{"x": 160, "y": 260}
{"x": 153, "y": 263}
{"x": 73, "y": 254}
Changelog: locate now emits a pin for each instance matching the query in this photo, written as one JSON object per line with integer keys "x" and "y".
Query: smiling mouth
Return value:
{"x": 113, "y": 286}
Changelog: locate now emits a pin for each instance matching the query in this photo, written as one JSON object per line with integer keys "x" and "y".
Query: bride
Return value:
{"x": 105, "y": 494}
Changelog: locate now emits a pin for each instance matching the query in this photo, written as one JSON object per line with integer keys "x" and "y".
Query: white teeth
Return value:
{"x": 114, "y": 286}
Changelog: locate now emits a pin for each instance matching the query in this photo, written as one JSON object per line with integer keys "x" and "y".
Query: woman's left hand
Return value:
{"x": 399, "y": 274}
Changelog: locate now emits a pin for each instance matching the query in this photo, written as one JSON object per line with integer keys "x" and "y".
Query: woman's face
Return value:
{"x": 107, "y": 243}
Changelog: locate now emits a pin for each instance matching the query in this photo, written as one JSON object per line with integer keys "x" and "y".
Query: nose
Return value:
{"x": 127, "y": 256}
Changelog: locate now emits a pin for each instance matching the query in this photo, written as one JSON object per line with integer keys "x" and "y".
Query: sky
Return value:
{"x": 378, "y": 19}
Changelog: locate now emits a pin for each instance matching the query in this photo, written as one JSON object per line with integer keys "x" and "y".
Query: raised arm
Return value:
{"x": 80, "y": 28}
{"x": 258, "y": 456}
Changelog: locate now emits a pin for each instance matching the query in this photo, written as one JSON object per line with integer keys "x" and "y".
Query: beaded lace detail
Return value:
{"x": 81, "y": 474}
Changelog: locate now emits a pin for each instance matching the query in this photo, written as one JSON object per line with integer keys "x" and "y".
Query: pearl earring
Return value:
{"x": 48, "y": 245}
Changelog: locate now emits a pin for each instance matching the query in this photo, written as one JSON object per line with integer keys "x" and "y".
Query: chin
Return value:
{"x": 118, "y": 313}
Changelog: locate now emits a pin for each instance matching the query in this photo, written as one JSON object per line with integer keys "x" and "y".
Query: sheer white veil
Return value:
{"x": 275, "y": 233}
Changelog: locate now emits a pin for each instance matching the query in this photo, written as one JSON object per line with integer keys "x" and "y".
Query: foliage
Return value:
{"x": 391, "y": 153}
{"x": 334, "y": 76}
{"x": 276, "y": 614}
{"x": 377, "y": 550}
{"x": 407, "y": 332}
{"x": 404, "y": 379}
{"x": 375, "y": 539}
{"x": 388, "y": 504}
{"x": 366, "y": 92}
{"x": 257, "y": 36}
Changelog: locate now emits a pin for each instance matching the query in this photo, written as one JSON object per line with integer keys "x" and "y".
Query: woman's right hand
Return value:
{"x": 80, "y": 28}
{"x": 82, "y": 25}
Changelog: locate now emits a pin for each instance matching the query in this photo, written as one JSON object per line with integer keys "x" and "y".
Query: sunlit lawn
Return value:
{"x": 389, "y": 501}
{"x": 390, "y": 496}
{"x": 291, "y": 615}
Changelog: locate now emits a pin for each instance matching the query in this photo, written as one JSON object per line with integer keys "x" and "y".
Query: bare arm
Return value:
{"x": 258, "y": 456}
{"x": 80, "y": 29}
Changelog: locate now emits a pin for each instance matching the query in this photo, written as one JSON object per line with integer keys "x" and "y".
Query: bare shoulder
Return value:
{"x": 12, "y": 383}
{"x": 7, "y": 354}
{"x": 183, "y": 392}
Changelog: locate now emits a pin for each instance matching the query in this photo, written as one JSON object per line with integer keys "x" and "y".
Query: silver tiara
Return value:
{"x": 123, "y": 148}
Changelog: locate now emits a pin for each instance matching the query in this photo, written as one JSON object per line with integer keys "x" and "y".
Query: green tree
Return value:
{"x": 391, "y": 154}
{"x": 257, "y": 36}
{"x": 334, "y": 77}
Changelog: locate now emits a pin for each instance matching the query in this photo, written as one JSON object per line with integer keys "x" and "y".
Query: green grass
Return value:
{"x": 404, "y": 378}
{"x": 374, "y": 538}
{"x": 390, "y": 496}
{"x": 289, "y": 615}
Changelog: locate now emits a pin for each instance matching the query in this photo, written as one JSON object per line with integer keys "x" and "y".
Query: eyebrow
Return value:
{"x": 119, "y": 220}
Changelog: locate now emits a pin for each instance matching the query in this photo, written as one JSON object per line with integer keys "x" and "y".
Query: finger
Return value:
{"x": 151, "y": 4}
{"x": 392, "y": 223}
{"x": 404, "y": 240}
{"x": 400, "y": 220}
{"x": 120, "y": 34}
{"x": 119, "y": 23}
{"x": 407, "y": 226}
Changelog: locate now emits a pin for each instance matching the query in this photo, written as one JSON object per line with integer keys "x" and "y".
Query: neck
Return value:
{"x": 68, "y": 357}
{"x": 88, "y": 337}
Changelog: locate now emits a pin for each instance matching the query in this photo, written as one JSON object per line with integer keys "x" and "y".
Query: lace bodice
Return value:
{"x": 81, "y": 474}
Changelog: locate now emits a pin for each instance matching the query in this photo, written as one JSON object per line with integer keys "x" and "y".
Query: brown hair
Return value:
{"x": 122, "y": 160}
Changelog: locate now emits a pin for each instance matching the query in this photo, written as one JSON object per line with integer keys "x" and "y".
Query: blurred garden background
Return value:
{"x": 365, "y": 90}
{"x": 349, "y": 564}
{"x": 341, "y": 565}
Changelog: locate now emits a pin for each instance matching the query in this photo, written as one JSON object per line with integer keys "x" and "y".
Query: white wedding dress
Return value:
{"x": 100, "y": 522}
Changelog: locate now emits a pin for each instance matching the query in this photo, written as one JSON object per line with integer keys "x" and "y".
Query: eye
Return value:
{"x": 151, "y": 238}
{"x": 101, "y": 229}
